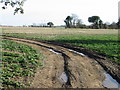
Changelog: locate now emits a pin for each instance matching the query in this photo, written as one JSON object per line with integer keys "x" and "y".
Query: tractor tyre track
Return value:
{"x": 81, "y": 71}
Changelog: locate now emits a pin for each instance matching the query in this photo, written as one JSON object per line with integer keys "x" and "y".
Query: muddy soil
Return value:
{"x": 81, "y": 71}
{"x": 109, "y": 66}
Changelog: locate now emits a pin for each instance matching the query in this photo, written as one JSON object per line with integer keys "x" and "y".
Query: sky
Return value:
{"x": 43, "y": 11}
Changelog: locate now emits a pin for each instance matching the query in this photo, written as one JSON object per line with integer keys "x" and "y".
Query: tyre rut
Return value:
{"x": 81, "y": 71}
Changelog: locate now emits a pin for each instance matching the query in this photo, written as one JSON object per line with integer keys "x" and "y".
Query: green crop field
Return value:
{"x": 18, "y": 61}
{"x": 99, "y": 40}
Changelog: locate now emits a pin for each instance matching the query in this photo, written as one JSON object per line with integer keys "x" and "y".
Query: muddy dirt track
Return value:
{"x": 65, "y": 68}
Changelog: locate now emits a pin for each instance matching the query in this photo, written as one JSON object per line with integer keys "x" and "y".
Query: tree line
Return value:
{"x": 74, "y": 22}
{"x": 49, "y": 24}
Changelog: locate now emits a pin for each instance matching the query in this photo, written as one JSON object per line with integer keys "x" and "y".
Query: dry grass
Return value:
{"x": 56, "y": 31}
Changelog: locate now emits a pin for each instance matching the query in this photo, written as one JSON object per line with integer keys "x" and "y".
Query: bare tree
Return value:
{"x": 79, "y": 23}
{"x": 74, "y": 20}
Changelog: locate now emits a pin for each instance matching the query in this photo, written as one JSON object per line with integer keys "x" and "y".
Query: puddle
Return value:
{"x": 109, "y": 82}
{"x": 54, "y": 51}
{"x": 77, "y": 52}
{"x": 63, "y": 78}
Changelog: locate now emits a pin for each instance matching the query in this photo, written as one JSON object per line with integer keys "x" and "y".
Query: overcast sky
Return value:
{"x": 43, "y": 11}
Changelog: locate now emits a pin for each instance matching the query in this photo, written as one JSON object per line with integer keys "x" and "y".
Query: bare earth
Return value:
{"x": 81, "y": 71}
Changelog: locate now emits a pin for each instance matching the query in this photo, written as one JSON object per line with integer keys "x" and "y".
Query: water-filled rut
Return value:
{"x": 64, "y": 68}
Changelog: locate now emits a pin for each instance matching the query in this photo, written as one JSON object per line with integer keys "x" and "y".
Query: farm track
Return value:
{"x": 81, "y": 71}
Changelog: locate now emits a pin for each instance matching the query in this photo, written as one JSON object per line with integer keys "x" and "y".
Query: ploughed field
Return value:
{"x": 70, "y": 57}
